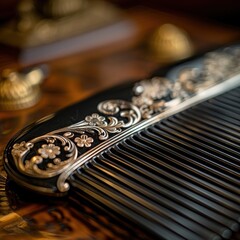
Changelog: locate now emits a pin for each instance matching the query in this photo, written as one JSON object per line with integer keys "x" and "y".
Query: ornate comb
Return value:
{"x": 162, "y": 153}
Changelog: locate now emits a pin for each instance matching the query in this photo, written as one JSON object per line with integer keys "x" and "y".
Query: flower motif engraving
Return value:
{"x": 95, "y": 120}
{"x": 49, "y": 151}
{"x": 156, "y": 88}
{"x": 22, "y": 147}
{"x": 84, "y": 141}
{"x": 142, "y": 100}
{"x": 38, "y": 165}
{"x": 150, "y": 96}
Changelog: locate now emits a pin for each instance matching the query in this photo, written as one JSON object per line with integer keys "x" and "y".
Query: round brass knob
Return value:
{"x": 169, "y": 43}
{"x": 18, "y": 90}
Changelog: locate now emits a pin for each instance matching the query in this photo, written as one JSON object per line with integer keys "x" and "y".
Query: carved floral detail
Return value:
{"x": 95, "y": 120}
{"x": 84, "y": 141}
{"x": 69, "y": 142}
{"x": 150, "y": 97}
{"x": 49, "y": 151}
{"x": 155, "y": 88}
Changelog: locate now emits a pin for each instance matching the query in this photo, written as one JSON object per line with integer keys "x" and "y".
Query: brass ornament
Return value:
{"x": 170, "y": 43}
{"x": 20, "y": 91}
{"x": 60, "y": 8}
{"x": 41, "y": 22}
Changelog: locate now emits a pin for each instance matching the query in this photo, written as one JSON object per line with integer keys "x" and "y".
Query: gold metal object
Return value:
{"x": 19, "y": 91}
{"x": 170, "y": 43}
{"x": 43, "y": 22}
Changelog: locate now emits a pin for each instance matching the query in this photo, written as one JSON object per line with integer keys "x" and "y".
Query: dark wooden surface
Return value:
{"x": 73, "y": 78}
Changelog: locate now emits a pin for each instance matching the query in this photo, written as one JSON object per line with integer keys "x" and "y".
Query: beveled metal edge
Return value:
{"x": 216, "y": 90}
{"x": 83, "y": 159}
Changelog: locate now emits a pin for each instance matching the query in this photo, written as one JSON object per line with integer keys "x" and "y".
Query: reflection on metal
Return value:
{"x": 66, "y": 141}
{"x": 170, "y": 43}
{"x": 19, "y": 91}
{"x": 8, "y": 219}
{"x": 42, "y": 22}
{"x": 60, "y": 152}
{"x": 12, "y": 223}
{"x": 4, "y": 204}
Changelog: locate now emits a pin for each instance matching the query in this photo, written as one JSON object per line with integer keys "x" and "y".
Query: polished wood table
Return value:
{"x": 73, "y": 78}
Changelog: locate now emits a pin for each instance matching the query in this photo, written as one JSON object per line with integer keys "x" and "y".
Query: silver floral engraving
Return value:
{"x": 83, "y": 141}
{"x": 59, "y": 149}
{"x": 96, "y": 120}
{"x": 149, "y": 95}
{"x": 49, "y": 151}
{"x": 51, "y": 154}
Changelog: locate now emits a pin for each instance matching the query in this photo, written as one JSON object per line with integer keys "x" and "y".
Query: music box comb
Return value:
{"x": 162, "y": 153}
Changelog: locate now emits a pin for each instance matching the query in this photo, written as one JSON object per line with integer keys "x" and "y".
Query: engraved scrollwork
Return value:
{"x": 150, "y": 95}
{"x": 127, "y": 110}
{"x": 51, "y": 154}
{"x": 98, "y": 124}
{"x": 43, "y": 162}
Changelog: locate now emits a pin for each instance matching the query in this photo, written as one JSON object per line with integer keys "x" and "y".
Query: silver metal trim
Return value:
{"x": 60, "y": 152}
{"x": 219, "y": 89}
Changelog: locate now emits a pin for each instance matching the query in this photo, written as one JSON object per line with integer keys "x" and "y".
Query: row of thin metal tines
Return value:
{"x": 178, "y": 179}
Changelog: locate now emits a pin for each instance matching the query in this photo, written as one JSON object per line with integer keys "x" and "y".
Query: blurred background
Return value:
{"x": 222, "y": 11}
{"x": 56, "y": 52}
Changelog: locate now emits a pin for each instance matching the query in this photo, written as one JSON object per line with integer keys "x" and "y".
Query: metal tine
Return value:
{"x": 119, "y": 226}
{"x": 130, "y": 165}
{"x": 205, "y": 130}
{"x": 133, "y": 209}
{"x": 235, "y": 92}
{"x": 162, "y": 195}
{"x": 224, "y": 118}
{"x": 196, "y": 113}
{"x": 153, "y": 176}
{"x": 159, "y": 204}
{"x": 232, "y": 130}
{"x": 153, "y": 148}
{"x": 151, "y": 140}
{"x": 202, "y": 108}
{"x": 163, "y": 168}
{"x": 104, "y": 196}
{"x": 229, "y": 101}
{"x": 220, "y": 110}
{"x": 227, "y": 121}
{"x": 234, "y": 96}
{"x": 155, "y": 211}
{"x": 224, "y": 105}
{"x": 226, "y": 130}
{"x": 176, "y": 127}
{"x": 232, "y": 99}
